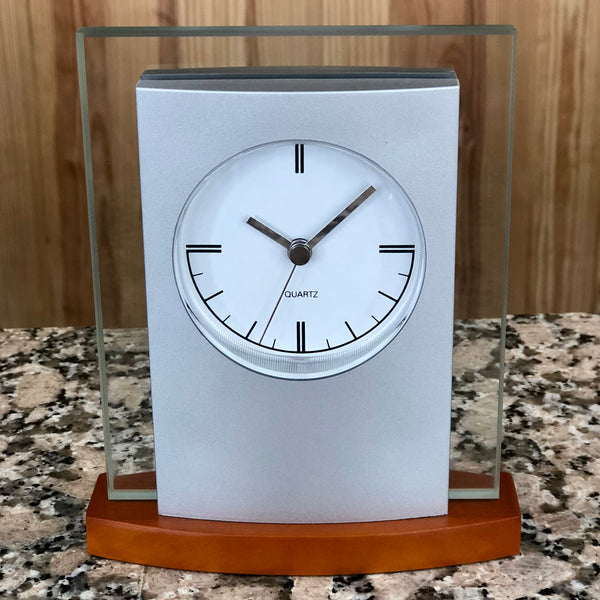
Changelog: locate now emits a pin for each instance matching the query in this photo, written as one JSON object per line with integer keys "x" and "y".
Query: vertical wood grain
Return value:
{"x": 555, "y": 225}
{"x": 41, "y": 232}
{"x": 44, "y": 256}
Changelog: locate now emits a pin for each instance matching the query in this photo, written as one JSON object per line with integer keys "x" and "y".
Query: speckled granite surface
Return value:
{"x": 51, "y": 452}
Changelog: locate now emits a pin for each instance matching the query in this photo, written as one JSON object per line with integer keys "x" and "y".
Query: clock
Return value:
{"x": 299, "y": 258}
{"x": 299, "y": 231}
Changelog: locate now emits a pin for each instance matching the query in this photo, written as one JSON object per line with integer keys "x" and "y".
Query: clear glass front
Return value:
{"x": 295, "y": 304}
{"x": 111, "y": 62}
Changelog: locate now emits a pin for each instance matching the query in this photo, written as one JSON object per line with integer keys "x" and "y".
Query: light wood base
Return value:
{"x": 473, "y": 531}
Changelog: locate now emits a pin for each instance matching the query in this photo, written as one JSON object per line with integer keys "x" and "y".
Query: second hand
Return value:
{"x": 278, "y": 301}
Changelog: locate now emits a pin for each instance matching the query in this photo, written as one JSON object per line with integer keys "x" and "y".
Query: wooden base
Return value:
{"x": 473, "y": 531}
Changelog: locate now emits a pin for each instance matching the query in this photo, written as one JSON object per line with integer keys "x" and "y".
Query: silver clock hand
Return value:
{"x": 277, "y": 305}
{"x": 339, "y": 218}
{"x": 298, "y": 249}
{"x": 269, "y": 232}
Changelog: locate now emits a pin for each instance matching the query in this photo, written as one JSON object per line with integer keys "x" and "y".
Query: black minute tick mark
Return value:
{"x": 251, "y": 328}
{"x": 350, "y": 329}
{"x": 213, "y": 296}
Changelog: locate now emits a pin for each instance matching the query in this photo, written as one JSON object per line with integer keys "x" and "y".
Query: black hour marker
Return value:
{"x": 388, "y": 296}
{"x": 203, "y": 247}
{"x": 213, "y": 296}
{"x": 375, "y": 319}
{"x": 299, "y": 158}
{"x": 251, "y": 328}
{"x": 388, "y": 248}
{"x": 225, "y": 319}
{"x": 350, "y": 329}
{"x": 300, "y": 336}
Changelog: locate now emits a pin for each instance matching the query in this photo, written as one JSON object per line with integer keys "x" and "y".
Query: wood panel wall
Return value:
{"x": 44, "y": 246}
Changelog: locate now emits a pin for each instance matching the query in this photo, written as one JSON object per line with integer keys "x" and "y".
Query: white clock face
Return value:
{"x": 299, "y": 259}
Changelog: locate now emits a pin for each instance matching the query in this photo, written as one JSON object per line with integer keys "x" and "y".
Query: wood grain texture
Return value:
{"x": 132, "y": 531}
{"x": 44, "y": 246}
{"x": 555, "y": 240}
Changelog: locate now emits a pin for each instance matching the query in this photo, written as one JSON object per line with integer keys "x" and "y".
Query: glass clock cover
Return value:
{"x": 299, "y": 259}
{"x": 116, "y": 228}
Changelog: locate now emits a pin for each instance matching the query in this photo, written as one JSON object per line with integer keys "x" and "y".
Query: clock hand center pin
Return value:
{"x": 299, "y": 251}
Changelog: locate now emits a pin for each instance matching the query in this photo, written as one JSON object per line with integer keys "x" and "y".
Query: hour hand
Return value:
{"x": 269, "y": 232}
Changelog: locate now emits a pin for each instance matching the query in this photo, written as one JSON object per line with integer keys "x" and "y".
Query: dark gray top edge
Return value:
{"x": 323, "y": 30}
{"x": 297, "y": 73}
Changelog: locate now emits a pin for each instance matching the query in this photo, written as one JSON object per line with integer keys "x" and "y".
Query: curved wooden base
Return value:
{"x": 473, "y": 531}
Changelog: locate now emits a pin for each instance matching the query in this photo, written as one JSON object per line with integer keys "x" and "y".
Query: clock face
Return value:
{"x": 299, "y": 259}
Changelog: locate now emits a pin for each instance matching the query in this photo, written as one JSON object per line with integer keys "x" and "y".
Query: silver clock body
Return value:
{"x": 371, "y": 443}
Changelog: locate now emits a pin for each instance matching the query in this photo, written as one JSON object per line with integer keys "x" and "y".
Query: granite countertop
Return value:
{"x": 51, "y": 452}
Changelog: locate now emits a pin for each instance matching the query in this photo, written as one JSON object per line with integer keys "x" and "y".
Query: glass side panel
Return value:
{"x": 111, "y": 61}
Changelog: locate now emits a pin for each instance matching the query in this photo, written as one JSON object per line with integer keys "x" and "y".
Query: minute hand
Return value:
{"x": 339, "y": 218}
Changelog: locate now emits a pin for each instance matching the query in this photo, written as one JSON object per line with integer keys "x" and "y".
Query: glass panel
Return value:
{"x": 110, "y": 63}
